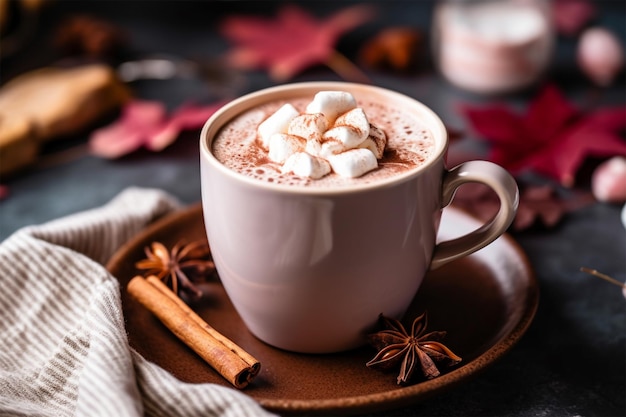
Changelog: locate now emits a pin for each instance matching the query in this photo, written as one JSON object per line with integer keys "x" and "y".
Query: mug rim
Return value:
{"x": 252, "y": 99}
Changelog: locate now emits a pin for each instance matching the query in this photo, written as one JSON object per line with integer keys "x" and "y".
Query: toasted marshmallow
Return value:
{"x": 276, "y": 123}
{"x": 308, "y": 126}
{"x": 283, "y": 145}
{"x": 353, "y": 163}
{"x": 375, "y": 142}
{"x": 331, "y": 104}
{"x": 305, "y": 165}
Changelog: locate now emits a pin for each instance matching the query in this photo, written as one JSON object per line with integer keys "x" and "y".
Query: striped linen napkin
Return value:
{"x": 63, "y": 346}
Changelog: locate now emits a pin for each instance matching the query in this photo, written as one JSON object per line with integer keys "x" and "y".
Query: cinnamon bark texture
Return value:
{"x": 231, "y": 361}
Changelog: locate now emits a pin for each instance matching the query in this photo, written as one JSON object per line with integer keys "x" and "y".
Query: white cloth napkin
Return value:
{"x": 63, "y": 346}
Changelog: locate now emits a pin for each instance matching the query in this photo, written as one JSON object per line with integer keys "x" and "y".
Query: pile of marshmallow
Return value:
{"x": 332, "y": 135}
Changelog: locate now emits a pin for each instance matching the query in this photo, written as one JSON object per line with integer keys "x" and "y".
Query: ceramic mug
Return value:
{"x": 306, "y": 268}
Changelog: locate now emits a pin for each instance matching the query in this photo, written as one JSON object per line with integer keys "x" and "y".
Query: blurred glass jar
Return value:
{"x": 492, "y": 46}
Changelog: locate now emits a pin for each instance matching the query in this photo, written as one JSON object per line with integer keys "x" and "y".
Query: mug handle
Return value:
{"x": 499, "y": 180}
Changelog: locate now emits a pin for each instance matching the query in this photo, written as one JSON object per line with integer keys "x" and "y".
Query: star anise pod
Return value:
{"x": 181, "y": 267}
{"x": 397, "y": 347}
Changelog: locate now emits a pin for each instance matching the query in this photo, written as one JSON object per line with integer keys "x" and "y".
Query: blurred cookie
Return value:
{"x": 50, "y": 103}
{"x": 18, "y": 147}
{"x": 62, "y": 101}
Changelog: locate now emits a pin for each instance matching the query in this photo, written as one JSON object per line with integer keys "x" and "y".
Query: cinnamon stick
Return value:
{"x": 245, "y": 356}
{"x": 230, "y": 360}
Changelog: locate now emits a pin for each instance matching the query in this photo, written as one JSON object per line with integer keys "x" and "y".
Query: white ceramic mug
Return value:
{"x": 308, "y": 269}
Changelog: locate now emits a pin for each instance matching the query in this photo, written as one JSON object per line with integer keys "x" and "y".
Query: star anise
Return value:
{"x": 180, "y": 268}
{"x": 397, "y": 347}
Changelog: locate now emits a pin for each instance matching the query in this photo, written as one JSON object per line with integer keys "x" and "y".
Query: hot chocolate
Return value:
{"x": 297, "y": 260}
{"x": 409, "y": 144}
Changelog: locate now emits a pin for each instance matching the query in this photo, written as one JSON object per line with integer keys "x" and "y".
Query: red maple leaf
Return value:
{"x": 291, "y": 42}
{"x": 552, "y": 138}
{"x": 4, "y": 192}
{"x": 146, "y": 124}
{"x": 570, "y": 16}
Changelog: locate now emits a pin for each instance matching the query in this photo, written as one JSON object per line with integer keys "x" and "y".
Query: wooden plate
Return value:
{"x": 485, "y": 302}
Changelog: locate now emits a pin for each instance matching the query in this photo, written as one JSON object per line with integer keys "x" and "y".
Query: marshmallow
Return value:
{"x": 375, "y": 142}
{"x": 349, "y": 137}
{"x": 334, "y": 134}
{"x": 608, "y": 181}
{"x": 355, "y": 119}
{"x": 331, "y": 147}
{"x": 353, "y": 163}
{"x": 308, "y": 126}
{"x": 351, "y": 129}
{"x": 282, "y": 146}
{"x": 331, "y": 104}
{"x": 314, "y": 146}
{"x": 305, "y": 165}
{"x": 276, "y": 123}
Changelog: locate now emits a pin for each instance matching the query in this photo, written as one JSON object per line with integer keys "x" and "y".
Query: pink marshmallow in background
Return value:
{"x": 600, "y": 55}
{"x": 608, "y": 182}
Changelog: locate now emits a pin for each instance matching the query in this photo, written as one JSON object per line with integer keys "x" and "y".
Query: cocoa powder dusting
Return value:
{"x": 409, "y": 145}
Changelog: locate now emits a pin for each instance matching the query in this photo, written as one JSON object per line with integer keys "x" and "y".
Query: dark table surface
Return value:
{"x": 571, "y": 362}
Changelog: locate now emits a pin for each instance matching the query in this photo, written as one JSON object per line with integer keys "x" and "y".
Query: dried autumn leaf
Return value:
{"x": 291, "y": 42}
{"x": 395, "y": 48}
{"x": 4, "y": 192}
{"x": 147, "y": 124}
{"x": 90, "y": 36}
{"x": 570, "y": 16}
{"x": 552, "y": 137}
{"x": 538, "y": 204}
